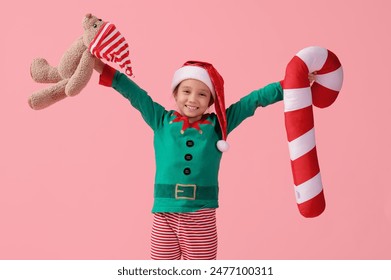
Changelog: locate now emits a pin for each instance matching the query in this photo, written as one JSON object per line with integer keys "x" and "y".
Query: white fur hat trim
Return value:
{"x": 192, "y": 72}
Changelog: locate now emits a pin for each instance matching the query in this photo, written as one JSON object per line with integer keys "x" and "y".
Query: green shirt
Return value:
{"x": 187, "y": 159}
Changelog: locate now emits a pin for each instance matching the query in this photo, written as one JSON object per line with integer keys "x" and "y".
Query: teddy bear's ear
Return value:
{"x": 88, "y": 15}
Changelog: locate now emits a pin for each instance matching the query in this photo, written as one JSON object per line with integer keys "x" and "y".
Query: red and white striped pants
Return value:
{"x": 188, "y": 236}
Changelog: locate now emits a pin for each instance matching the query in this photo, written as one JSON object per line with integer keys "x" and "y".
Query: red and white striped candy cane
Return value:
{"x": 299, "y": 96}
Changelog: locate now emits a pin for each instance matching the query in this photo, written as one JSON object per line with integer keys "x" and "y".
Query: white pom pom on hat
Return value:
{"x": 222, "y": 145}
{"x": 206, "y": 73}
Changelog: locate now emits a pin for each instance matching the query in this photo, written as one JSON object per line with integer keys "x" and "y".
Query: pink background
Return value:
{"x": 76, "y": 178}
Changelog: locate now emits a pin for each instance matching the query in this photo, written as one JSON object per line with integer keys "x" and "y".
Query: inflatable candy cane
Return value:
{"x": 299, "y": 120}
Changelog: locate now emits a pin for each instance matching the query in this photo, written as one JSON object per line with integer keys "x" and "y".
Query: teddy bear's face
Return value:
{"x": 91, "y": 25}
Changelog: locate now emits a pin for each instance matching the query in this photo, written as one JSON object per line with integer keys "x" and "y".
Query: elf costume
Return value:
{"x": 188, "y": 154}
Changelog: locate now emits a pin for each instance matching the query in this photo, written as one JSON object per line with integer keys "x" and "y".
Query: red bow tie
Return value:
{"x": 187, "y": 124}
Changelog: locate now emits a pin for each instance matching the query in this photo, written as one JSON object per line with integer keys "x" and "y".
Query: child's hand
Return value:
{"x": 99, "y": 65}
{"x": 312, "y": 77}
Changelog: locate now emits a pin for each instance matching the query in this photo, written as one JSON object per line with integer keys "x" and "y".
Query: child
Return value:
{"x": 188, "y": 148}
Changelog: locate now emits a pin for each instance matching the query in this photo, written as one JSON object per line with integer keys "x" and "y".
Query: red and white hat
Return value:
{"x": 206, "y": 73}
{"x": 112, "y": 46}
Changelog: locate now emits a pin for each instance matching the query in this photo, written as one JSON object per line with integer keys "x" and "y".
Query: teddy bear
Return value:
{"x": 73, "y": 71}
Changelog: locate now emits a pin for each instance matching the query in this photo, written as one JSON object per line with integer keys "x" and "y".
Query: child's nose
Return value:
{"x": 192, "y": 97}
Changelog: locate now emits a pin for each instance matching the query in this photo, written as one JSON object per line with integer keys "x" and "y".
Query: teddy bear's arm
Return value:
{"x": 82, "y": 74}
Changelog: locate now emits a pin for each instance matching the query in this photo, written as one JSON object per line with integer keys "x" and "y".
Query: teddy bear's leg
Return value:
{"x": 42, "y": 72}
{"x": 48, "y": 96}
{"x": 82, "y": 74}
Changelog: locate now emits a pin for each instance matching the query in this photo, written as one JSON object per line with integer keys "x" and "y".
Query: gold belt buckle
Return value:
{"x": 180, "y": 188}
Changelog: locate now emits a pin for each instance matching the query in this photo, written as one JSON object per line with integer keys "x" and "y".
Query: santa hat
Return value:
{"x": 111, "y": 45}
{"x": 206, "y": 73}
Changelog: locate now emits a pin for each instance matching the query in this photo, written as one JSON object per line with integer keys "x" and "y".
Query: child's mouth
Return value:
{"x": 191, "y": 108}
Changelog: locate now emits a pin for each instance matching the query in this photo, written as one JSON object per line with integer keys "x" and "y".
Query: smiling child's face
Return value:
{"x": 193, "y": 98}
